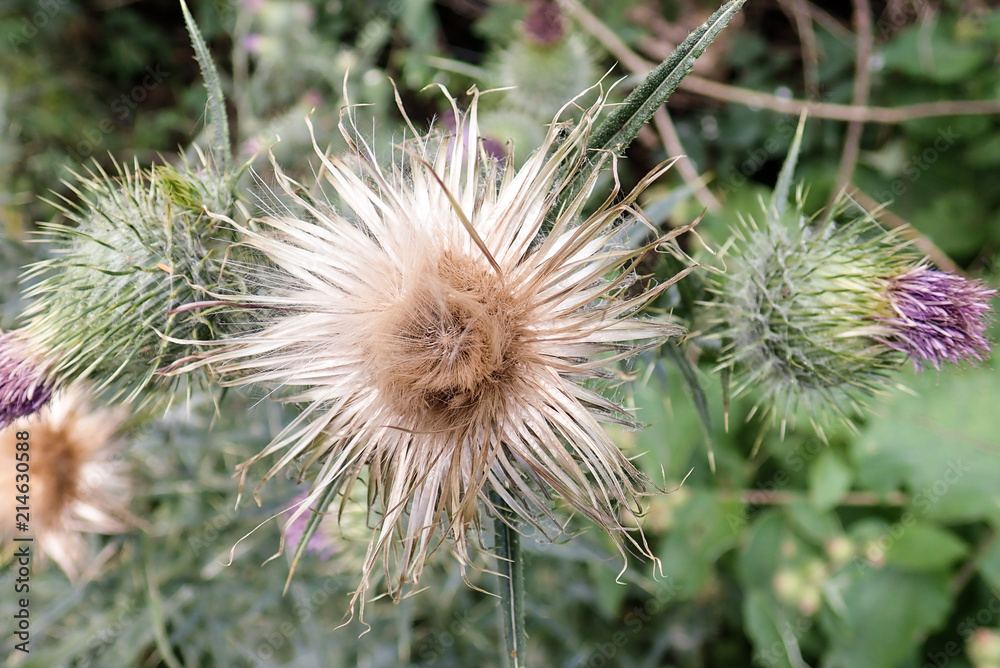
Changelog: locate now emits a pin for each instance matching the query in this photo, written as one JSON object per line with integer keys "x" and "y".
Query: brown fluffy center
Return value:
{"x": 56, "y": 468}
{"x": 445, "y": 353}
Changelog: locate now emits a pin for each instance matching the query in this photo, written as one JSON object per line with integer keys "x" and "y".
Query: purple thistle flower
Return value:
{"x": 545, "y": 23}
{"x": 937, "y": 316}
{"x": 24, "y": 388}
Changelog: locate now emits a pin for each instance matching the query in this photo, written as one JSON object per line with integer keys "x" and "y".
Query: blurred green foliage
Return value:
{"x": 878, "y": 550}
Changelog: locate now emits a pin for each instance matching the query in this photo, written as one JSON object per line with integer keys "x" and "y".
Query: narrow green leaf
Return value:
{"x": 218, "y": 122}
{"x": 779, "y": 199}
{"x": 157, "y": 617}
{"x": 312, "y": 524}
{"x": 621, "y": 127}
{"x": 697, "y": 395}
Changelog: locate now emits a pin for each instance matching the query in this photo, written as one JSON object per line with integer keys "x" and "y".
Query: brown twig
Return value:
{"x": 832, "y": 25}
{"x": 838, "y": 112}
{"x": 756, "y": 99}
{"x": 606, "y": 36}
{"x": 891, "y": 220}
{"x": 797, "y": 12}
{"x": 672, "y": 144}
{"x": 852, "y": 138}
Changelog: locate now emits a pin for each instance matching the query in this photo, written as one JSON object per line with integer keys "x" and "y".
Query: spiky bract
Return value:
{"x": 142, "y": 245}
{"x": 439, "y": 339}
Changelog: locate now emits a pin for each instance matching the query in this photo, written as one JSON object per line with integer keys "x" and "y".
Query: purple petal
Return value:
{"x": 24, "y": 389}
{"x": 938, "y": 316}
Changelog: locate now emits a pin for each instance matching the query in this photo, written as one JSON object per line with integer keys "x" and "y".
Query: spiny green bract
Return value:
{"x": 544, "y": 77}
{"x": 799, "y": 309}
{"x": 143, "y": 245}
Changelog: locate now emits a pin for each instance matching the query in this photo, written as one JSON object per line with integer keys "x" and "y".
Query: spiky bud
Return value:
{"x": 820, "y": 316}
{"x": 544, "y": 24}
{"x": 143, "y": 245}
{"x": 540, "y": 71}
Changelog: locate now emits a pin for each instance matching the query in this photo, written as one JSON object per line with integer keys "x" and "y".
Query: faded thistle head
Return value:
{"x": 818, "y": 316}
{"x": 79, "y": 483}
{"x": 444, "y": 343}
{"x": 138, "y": 245}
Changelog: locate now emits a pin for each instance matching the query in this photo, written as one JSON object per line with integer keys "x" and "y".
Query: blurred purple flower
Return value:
{"x": 545, "y": 23}
{"x": 251, "y": 42}
{"x": 24, "y": 388}
{"x": 322, "y": 542}
{"x": 937, "y": 316}
{"x": 493, "y": 147}
{"x": 254, "y": 6}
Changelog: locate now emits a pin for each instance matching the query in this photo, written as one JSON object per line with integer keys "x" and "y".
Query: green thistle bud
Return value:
{"x": 820, "y": 317}
{"x": 144, "y": 244}
{"x": 542, "y": 69}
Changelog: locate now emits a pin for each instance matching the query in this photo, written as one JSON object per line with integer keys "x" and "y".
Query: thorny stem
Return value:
{"x": 511, "y": 582}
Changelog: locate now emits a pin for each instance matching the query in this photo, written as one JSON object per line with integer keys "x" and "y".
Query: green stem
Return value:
{"x": 511, "y": 581}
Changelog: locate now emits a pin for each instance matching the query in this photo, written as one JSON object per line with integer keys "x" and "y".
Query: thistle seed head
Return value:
{"x": 438, "y": 337}
{"x": 78, "y": 483}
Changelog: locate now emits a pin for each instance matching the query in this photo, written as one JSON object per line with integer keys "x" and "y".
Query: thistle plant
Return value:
{"x": 821, "y": 316}
{"x": 448, "y": 322}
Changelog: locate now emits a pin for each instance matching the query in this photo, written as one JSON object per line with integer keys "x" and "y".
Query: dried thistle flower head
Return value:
{"x": 818, "y": 316}
{"x": 78, "y": 484}
{"x": 441, "y": 338}
{"x": 141, "y": 246}
{"x": 24, "y": 383}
